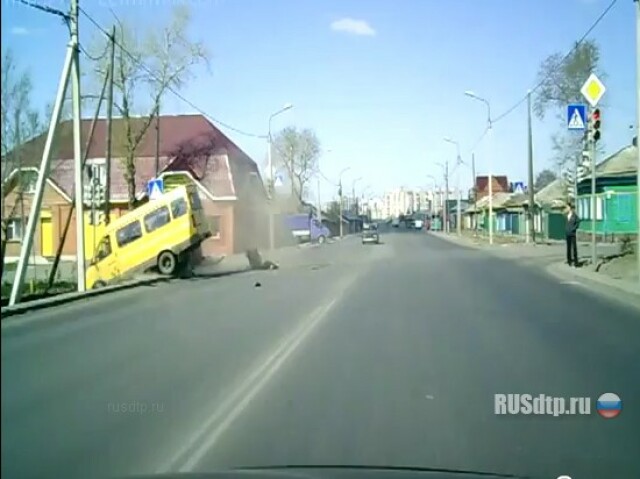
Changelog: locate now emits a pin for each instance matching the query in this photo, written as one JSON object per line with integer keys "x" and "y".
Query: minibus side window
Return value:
{"x": 128, "y": 234}
{"x": 156, "y": 219}
{"x": 103, "y": 250}
{"x": 178, "y": 207}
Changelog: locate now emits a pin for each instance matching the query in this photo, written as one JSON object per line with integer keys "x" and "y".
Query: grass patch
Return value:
{"x": 37, "y": 289}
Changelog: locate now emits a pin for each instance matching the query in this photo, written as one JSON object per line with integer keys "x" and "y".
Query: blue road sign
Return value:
{"x": 155, "y": 188}
{"x": 518, "y": 187}
{"x": 577, "y": 117}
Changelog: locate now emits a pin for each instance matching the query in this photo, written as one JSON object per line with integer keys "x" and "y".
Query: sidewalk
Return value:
{"x": 551, "y": 256}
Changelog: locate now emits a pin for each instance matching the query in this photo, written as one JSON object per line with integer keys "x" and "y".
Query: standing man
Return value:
{"x": 573, "y": 222}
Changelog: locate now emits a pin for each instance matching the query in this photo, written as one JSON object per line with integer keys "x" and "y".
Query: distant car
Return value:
{"x": 395, "y": 223}
{"x": 418, "y": 224}
{"x": 371, "y": 235}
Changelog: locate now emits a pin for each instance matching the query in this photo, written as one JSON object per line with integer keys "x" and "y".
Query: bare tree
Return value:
{"x": 298, "y": 152}
{"x": 562, "y": 77}
{"x": 20, "y": 122}
{"x": 147, "y": 64}
{"x": 544, "y": 178}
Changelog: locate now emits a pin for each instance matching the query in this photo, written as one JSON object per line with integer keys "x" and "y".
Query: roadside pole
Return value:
{"x": 43, "y": 172}
{"x": 475, "y": 195}
{"x": 271, "y": 195}
{"x": 459, "y": 213}
{"x": 531, "y": 236}
{"x": 77, "y": 147}
{"x": 594, "y": 246}
{"x": 446, "y": 197}
{"x": 107, "y": 186}
{"x": 638, "y": 129}
{"x": 340, "y": 210}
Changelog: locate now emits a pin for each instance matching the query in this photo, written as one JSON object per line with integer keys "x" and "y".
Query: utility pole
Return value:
{"x": 157, "y": 141}
{"x": 638, "y": 130}
{"x": 530, "y": 213}
{"x": 107, "y": 186}
{"x": 459, "y": 214}
{"x": 446, "y": 197}
{"x": 77, "y": 146}
{"x": 43, "y": 172}
{"x": 475, "y": 194}
{"x": 340, "y": 212}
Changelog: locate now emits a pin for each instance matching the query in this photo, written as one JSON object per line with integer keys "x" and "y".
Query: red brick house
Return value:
{"x": 190, "y": 148}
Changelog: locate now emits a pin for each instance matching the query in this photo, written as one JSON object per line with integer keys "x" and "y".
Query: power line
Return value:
{"x": 154, "y": 76}
{"x": 564, "y": 59}
{"x": 44, "y": 8}
{"x": 92, "y": 58}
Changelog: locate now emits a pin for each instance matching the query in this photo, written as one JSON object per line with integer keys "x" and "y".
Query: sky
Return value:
{"x": 381, "y": 82}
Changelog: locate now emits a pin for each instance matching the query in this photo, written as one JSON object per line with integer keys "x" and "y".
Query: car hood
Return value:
{"x": 334, "y": 472}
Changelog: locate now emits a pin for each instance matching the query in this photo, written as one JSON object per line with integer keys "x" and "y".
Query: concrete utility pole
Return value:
{"x": 77, "y": 147}
{"x": 475, "y": 194}
{"x": 43, "y": 172}
{"x": 531, "y": 237}
{"x": 107, "y": 186}
{"x": 638, "y": 129}
{"x": 271, "y": 185}
{"x": 340, "y": 210}
{"x": 489, "y": 158}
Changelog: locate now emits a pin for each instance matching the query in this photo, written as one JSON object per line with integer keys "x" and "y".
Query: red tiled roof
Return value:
{"x": 187, "y": 142}
{"x": 482, "y": 183}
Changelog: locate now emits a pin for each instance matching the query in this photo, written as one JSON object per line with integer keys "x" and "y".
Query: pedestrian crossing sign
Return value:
{"x": 577, "y": 117}
{"x": 155, "y": 188}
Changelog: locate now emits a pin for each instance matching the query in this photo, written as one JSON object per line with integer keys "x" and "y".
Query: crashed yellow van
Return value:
{"x": 162, "y": 233}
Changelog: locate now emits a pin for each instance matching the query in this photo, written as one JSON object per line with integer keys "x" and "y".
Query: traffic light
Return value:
{"x": 595, "y": 125}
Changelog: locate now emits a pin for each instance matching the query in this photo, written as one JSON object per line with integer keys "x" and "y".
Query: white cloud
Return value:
{"x": 353, "y": 26}
{"x": 19, "y": 31}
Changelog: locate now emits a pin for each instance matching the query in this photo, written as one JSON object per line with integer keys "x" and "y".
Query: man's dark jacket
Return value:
{"x": 572, "y": 225}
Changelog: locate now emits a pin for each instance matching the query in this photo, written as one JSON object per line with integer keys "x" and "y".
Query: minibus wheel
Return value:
{"x": 98, "y": 284}
{"x": 167, "y": 262}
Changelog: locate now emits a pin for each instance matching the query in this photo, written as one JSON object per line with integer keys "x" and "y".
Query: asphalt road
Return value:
{"x": 349, "y": 354}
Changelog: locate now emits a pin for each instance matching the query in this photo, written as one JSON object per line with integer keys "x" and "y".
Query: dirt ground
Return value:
{"x": 624, "y": 267}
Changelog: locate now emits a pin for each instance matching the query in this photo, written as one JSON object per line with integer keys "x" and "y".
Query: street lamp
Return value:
{"x": 286, "y": 107}
{"x": 340, "y": 198}
{"x": 458, "y": 163}
{"x": 319, "y": 174}
{"x": 489, "y": 159}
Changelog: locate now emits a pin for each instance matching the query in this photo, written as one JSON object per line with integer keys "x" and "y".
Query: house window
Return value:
{"x": 599, "y": 208}
{"x": 14, "y": 229}
{"x": 28, "y": 181}
{"x": 128, "y": 234}
{"x": 156, "y": 219}
{"x": 214, "y": 226}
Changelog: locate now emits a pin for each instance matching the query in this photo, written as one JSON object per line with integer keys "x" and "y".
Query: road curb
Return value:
{"x": 64, "y": 298}
{"x": 564, "y": 272}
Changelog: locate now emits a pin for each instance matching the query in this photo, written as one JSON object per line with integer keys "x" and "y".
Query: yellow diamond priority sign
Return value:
{"x": 593, "y": 90}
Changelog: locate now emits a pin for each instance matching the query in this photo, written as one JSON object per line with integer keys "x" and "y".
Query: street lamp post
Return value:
{"x": 458, "y": 162}
{"x": 271, "y": 182}
{"x": 340, "y": 199}
{"x": 638, "y": 129}
{"x": 353, "y": 193}
{"x": 489, "y": 159}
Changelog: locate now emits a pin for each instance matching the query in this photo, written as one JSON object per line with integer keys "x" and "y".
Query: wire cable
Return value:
{"x": 564, "y": 59}
{"x": 91, "y": 57}
{"x": 155, "y": 77}
{"x": 44, "y": 8}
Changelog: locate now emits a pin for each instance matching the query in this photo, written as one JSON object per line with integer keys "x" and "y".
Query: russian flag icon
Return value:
{"x": 609, "y": 405}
